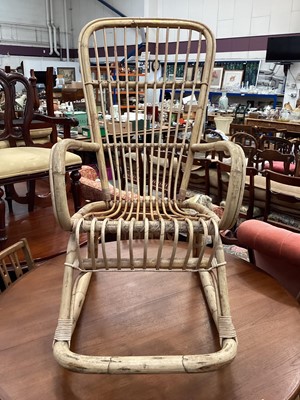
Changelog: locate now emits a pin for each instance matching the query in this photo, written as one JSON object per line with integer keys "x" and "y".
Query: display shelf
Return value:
{"x": 123, "y": 92}
{"x": 214, "y": 96}
{"x": 247, "y": 96}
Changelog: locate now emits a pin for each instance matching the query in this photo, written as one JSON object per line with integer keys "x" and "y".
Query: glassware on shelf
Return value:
{"x": 285, "y": 115}
{"x": 223, "y": 102}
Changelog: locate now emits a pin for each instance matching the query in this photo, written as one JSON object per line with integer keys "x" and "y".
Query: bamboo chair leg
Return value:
{"x": 214, "y": 283}
{"x": 80, "y": 288}
{"x": 73, "y": 296}
{"x": 215, "y": 289}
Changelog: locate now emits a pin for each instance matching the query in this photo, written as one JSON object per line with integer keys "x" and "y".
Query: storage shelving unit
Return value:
{"x": 240, "y": 97}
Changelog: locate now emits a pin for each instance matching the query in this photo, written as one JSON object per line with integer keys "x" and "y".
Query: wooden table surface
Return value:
{"x": 150, "y": 313}
{"x": 276, "y": 124}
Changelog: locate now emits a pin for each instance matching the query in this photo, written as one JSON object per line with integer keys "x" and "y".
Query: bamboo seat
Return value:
{"x": 114, "y": 67}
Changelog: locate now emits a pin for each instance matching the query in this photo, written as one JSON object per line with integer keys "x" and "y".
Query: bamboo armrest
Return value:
{"x": 236, "y": 183}
{"x": 57, "y": 177}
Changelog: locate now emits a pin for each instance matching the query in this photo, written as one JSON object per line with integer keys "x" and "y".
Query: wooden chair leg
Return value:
{"x": 75, "y": 189}
{"x": 9, "y": 196}
{"x": 2, "y": 217}
{"x": 31, "y": 194}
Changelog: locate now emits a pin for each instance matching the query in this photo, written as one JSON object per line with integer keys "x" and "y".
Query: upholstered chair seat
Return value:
{"x": 28, "y": 160}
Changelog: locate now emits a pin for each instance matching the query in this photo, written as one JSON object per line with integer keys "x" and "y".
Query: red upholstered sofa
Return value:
{"x": 275, "y": 250}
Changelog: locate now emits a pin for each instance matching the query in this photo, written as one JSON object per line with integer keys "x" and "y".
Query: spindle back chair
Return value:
{"x": 21, "y": 159}
{"x": 14, "y": 260}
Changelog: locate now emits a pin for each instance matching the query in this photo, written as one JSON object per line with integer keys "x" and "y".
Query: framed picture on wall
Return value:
{"x": 190, "y": 72}
{"x": 197, "y": 73}
{"x": 68, "y": 73}
{"x": 217, "y": 78}
{"x": 232, "y": 79}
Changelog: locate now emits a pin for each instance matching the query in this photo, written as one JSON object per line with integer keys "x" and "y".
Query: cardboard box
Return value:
{"x": 125, "y": 127}
{"x": 193, "y": 107}
{"x": 139, "y": 118}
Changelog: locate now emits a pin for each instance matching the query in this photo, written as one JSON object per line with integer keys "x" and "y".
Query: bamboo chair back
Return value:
{"x": 137, "y": 67}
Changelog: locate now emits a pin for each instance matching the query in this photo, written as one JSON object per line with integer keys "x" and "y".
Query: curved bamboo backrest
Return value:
{"x": 136, "y": 64}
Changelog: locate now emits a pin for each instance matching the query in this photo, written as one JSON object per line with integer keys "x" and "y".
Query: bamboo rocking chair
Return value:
{"x": 121, "y": 70}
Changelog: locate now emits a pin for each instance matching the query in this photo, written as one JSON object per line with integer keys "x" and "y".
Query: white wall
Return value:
{"x": 226, "y": 18}
{"x": 25, "y": 22}
{"x": 87, "y": 10}
{"x": 41, "y": 65}
{"x": 234, "y": 18}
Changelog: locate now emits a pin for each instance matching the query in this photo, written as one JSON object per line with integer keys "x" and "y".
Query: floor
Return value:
{"x": 46, "y": 239}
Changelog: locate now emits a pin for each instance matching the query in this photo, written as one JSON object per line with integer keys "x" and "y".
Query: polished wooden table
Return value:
{"x": 154, "y": 313}
{"x": 275, "y": 124}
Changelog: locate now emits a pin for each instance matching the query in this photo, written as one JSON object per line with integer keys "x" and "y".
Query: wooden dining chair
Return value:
{"x": 42, "y": 132}
{"x": 269, "y": 157}
{"x": 240, "y": 128}
{"x": 282, "y": 199}
{"x": 259, "y": 131}
{"x": 163, "y": 212}
{"x": 274, "y": 160}
{"x": 296, "y": 152}
{"x": 27, "y": 161}
{"x": 14, "y": 260}
{"x": 249, "y": 145}
{"x": 275, "y": 143}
